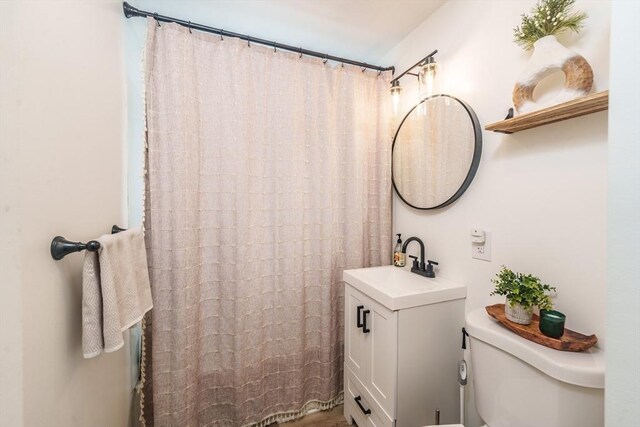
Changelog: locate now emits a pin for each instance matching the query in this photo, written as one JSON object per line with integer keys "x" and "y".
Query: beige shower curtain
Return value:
{"x": 268, "y": 175}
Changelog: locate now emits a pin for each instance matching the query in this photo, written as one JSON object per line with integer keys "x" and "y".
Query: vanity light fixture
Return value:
{"x": 396, "y": 91}
{"x": 426, "y": 75}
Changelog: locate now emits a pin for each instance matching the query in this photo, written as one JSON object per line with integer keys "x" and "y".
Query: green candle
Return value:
{"x": 552, "y": 323}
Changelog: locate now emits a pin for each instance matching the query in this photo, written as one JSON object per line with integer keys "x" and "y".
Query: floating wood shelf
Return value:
{"x": 567, "y": 110}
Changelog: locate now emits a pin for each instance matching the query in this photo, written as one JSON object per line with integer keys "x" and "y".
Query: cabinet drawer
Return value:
{"x": 359, "y": 405}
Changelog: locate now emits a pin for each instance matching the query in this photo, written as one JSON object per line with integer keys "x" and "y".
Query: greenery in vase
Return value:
{"x": 549, "y": 17}
{"x": 524, "y": 289}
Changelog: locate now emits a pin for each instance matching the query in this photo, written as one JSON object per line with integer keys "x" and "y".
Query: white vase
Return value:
{"x": 517, "y": 313}
{"x": 550, "y": 56}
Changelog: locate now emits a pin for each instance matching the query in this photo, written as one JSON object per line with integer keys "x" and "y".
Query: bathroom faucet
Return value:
{"x": 419, "y": 268}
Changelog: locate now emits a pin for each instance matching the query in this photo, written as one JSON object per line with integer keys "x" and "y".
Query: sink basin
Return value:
{"x": 397, "y": 288}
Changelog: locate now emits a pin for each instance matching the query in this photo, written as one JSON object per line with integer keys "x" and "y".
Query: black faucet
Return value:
{"x": 419, "y": 268}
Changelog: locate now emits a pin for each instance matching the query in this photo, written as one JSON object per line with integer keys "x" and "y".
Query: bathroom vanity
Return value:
{"x": 402, "y": 346}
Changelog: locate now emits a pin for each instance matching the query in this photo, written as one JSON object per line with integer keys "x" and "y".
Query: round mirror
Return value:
{"x": 436, "y": 152}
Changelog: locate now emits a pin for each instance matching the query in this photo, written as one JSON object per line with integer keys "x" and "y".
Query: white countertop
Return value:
{"x": 397, "y": 288}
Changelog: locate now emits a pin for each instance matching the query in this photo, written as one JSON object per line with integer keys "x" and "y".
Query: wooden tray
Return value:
{"x": 570, "y": 341}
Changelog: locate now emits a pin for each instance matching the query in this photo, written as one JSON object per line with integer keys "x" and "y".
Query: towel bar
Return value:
{"x": 61, "y": 247}
{"x": 115, "y": 229}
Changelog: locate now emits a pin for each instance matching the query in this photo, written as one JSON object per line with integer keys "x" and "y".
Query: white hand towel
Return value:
{"x": 115, "y": 290}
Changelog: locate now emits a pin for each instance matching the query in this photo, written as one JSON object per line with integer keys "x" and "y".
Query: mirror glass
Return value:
{"x": 436, "y": 152}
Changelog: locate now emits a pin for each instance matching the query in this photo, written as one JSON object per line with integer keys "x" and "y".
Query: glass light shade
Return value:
{"x": 396, "y": 92}
{"x": 427, "y": 77}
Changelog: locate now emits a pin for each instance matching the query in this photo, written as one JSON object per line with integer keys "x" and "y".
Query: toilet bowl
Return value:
{"x": 521, "y": 383}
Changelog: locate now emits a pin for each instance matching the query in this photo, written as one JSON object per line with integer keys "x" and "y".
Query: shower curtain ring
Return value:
{"x": 379, "y": 72}
{"x": 325, "y": 60}
{"x": 364, "y": 69}
{"x": 248, "y": 42}
{"x": 190, "y": 32}
{"x": 155, "y": 15}
{"x": 221, "y": 33}
{"x": 300, "y": 53}
{"x": 274, "y": 47}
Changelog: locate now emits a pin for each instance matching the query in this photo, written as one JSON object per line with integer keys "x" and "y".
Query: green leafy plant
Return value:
{"x": 547, "y": 18}
{"x": 524, "y": 289}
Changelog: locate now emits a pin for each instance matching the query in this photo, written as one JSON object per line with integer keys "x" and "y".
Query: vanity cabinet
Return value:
{"x": 401, "y": 358}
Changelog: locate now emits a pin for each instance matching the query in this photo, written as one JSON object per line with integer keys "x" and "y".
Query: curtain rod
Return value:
{"x": 131, "y": 12}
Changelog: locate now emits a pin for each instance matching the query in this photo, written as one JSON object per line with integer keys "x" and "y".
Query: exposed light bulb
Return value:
{"x": 427, "y": 76}
{"x": 396, "y": 92}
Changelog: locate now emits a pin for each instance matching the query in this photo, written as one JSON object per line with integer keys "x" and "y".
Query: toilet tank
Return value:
{"x": 520, "y": 383}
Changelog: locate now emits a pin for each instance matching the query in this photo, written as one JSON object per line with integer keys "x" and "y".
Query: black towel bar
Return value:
{"x": 115, "y": 229}
{"x": 61, "y": 247}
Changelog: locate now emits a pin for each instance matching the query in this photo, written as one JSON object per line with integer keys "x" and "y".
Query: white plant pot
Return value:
{"x": 518, "y": 313}
{"x": 550, "y": 56}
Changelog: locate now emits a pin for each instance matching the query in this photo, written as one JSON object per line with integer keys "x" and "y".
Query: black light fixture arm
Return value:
{"x": 132, "y": 12}
{"x": 407, "y": 71}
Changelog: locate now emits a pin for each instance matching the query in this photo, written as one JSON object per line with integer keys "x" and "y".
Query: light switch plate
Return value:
{"x": 477, "y": 236}
{"x": 482, "y": 251}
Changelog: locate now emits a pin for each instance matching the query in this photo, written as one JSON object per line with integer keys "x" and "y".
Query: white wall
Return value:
{"x": 62, "y": 124}
{"x": 623, "y": 291}
{"x": 541, "y": 192}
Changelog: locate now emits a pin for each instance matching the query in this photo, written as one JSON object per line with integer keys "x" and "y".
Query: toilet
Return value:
{"x": 520, "y": 383}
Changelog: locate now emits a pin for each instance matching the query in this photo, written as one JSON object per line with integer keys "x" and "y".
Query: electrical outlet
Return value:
{"x": 482, "y": 251}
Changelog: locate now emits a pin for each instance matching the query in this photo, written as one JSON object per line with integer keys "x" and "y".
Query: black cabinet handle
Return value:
{"x": 358, "y": 315}
{"x": 364, "y": 322}
{"x": 364, "y": 411}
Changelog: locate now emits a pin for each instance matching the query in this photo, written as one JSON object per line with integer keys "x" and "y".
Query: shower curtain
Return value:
{"x": 268, "y": 174}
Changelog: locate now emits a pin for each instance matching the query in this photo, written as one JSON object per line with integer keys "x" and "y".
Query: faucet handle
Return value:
{"x": 430, "y": 272}
{"x": 415, "y": 261}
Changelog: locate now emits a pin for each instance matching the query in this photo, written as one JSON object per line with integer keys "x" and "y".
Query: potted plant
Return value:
{"x": 523, "y": 292}
{"x": 548, "y": 18}
{"x": 537, "y": 32}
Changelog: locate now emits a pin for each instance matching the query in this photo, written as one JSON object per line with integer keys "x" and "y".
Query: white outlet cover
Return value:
{"x": 482, "y": 251}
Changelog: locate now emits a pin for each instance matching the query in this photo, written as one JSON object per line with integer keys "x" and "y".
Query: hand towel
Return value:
{"x": 116, "y": 292}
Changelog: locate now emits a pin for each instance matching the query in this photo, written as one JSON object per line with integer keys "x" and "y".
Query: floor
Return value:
{"x": 332, "y": 418}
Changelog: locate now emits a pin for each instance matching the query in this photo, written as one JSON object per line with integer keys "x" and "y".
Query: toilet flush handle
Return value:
{"x": 465, "y": 334}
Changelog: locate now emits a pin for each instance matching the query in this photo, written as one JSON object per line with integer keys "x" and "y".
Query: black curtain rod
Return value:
{"x": 130, "y": 12}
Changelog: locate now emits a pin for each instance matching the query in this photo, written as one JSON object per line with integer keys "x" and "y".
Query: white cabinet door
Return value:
{"x": 383, "y": 355}
{"x": 371, "y": 346}
{"x": 355, "y": 341}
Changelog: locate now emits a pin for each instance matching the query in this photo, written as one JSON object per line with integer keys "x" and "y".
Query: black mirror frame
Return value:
{"x": 475, "y": 161}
